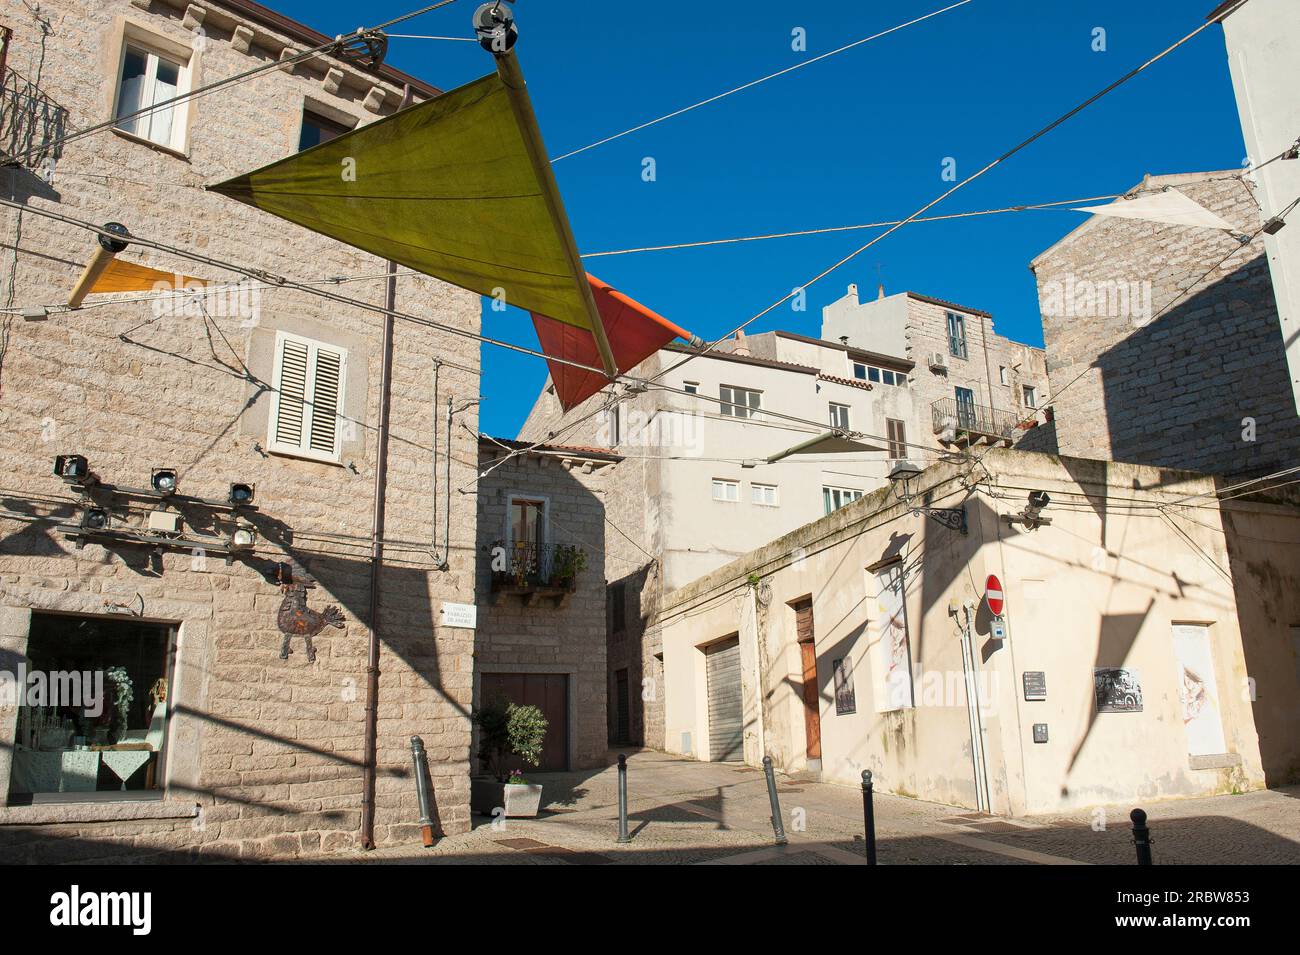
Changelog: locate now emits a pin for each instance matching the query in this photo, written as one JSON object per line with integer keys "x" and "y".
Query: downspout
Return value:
{"x": 988, "y": 368}
{"x": 371, "y": 745}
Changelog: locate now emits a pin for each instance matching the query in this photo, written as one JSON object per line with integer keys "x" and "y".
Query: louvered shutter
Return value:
{"x": 308, "y": 398}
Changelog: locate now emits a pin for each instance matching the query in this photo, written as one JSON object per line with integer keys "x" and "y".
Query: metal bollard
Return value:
{"x": 778, "y": 827}
{"x": 869, "y": 815}
{"x": 420, "y": 763}
{"x": 622, "y": 799}
{"x": 1141, "y": 836}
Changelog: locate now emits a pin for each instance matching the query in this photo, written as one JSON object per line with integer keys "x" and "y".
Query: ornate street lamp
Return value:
{"x": 904, "y": 476}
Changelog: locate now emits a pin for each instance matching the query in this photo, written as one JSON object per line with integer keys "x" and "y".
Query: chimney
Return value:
{"x": 742, "y": 346}
{"x": 844, "y": 339}
{"x": 853, "y": 292}
{"x": 880, "y": 291}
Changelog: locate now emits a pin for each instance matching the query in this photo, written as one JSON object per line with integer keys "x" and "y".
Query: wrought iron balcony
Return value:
{"x": 531, "y": 570}
{"x": 31, "y": 124}
{"x": 963, "y": 423}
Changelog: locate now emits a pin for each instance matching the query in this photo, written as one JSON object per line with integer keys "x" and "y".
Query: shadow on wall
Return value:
{"x": 1205, "y": 386}
{"x": 633, "y": 703}
{"x": 324, "y": 729}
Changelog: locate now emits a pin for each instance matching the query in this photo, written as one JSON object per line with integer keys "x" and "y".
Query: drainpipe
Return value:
{"x": 371, "y": 746}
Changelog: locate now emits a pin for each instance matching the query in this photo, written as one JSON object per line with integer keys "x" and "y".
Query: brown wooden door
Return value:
{"x": 549, "y": 692}
{"x": 812, "y": 720}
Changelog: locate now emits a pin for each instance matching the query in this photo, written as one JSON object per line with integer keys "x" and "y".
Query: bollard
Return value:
{"x": 1141, "y": 836}
{"x": 622, "y": 799}
{"x": 778, "y": 827}
{"x": 420, "y": 762}
{"x": 869, "y": 816}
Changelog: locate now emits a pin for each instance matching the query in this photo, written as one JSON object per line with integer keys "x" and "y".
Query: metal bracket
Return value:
{"x": 953, "y": 518}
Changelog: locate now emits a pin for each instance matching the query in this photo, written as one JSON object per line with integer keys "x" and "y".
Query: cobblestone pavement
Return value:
{"x": 687, "y": 812}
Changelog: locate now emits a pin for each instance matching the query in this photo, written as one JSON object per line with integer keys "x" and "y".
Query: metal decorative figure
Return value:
{"x": 297, "y": 619}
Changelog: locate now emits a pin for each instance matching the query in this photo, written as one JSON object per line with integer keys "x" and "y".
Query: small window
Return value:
{"x": 739, "y": 402}
{"x": 859, "y": 371}
{"x": 887, "y": 376}
{"x": 612, "y": 426}
{"x": 956, "y": 335}
{"x": 897, "y": 434}
{"x": 764, "y": 494}
{"x": 1004, "y": 376}
{"x": 149, "y": 78}
{"x": 839, "y": 416}
{"x": 726, "y": 490}
{"x": 527, "y": 522}
{"x": 833, "y": 498}
{"x": 1031, "y": 396}
{"x": 617, "y": 603}
{"x": 691, "y": 387}
{"x": 308, "y": 382}
{"x": 873, "y": 374}
{"x": 317, "y": 129}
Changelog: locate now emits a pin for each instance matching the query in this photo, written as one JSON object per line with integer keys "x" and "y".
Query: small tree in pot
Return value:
{"x": 505, "y": 730}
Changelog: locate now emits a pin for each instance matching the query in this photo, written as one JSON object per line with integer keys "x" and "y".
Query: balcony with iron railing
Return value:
{"x": 531, "y": 570}
{"x": 32, "y": 125}
{"x": 964, "y": 423}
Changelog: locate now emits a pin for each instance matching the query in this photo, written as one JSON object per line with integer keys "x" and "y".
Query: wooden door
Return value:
{"x": 549, "y": 692}
{"x": 812, "y": 719}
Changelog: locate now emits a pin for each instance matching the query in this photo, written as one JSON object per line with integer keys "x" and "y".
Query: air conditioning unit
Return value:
{"x": 939, "y": 360}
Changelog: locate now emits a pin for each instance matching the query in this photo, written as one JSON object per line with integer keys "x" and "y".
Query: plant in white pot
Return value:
{"x": 505, "y": 730}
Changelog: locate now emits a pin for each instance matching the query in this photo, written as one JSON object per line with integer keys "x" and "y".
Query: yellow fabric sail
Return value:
{"x": 122, "y": 276}
{"x": 452, "y": 188}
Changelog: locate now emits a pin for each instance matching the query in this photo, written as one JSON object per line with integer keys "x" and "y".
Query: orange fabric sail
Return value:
{"x": 634, "y": 331}
{"x": 122, "y": 276}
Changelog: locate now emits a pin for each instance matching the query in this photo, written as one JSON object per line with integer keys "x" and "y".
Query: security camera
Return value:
{"x": 1032, "y": 516}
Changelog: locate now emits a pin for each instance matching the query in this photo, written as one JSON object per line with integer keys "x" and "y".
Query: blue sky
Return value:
{"x": 859, "y": 137}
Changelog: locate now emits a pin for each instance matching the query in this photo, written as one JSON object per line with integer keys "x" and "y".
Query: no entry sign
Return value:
{"x": 993, "y": 595}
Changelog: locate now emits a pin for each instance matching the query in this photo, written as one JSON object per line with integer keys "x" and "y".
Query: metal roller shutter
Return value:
{"x": 726, "y": 736}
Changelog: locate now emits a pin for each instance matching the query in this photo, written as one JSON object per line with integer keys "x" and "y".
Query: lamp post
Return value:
{"x": 904, "y": 476}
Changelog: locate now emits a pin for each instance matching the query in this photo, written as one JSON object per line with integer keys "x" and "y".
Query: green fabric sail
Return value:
{"x": 446, "y": 188}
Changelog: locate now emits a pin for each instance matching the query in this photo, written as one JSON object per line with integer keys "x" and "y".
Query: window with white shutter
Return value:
{"x": 308, "y": 384}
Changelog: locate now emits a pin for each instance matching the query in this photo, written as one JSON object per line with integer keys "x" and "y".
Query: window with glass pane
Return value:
{"x": 317, "y": 129}
{"x": 726, "y": 490}
{"x": 738, "y": 402}
{"x": 92, "y": 713}
{"x": 873, "y": 374}
{"x": 859, "y": 371}
{"x": 956, "y": 335}
{"x": 148, "y": 79}
{"x": 764, "y": 494}
{"x": 691, "y": 387}
{"x": 1031, "y": 397}
{"x": 833, "y": 498}
{"x": 839, "y": 416}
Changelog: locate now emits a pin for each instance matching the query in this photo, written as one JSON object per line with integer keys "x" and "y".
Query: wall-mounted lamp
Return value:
{"x": 94, "y": 519}
{"x": 72, "y": 468}
{"x": 241, "y": 494}
{"x": 905, "y": 478}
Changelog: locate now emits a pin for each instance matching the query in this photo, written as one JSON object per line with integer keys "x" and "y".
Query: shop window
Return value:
{"x": 92, "y": 697}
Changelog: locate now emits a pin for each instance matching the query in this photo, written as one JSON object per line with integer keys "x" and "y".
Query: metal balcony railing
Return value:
{"x": 969, "y": 419}
{"x": 530, "y": 565}
{"x": 31, "y": 124}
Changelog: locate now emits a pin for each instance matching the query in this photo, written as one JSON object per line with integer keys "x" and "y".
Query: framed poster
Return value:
{"x": 1118, "y": 690}
{"x": 846, "y": 702}
{"x": 891, "y": 624}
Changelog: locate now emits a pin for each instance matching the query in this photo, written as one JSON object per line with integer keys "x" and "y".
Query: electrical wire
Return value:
{"x": 847, "y": 228}
{"x": 762, "y": 79}
{"x": 965, "y": 182}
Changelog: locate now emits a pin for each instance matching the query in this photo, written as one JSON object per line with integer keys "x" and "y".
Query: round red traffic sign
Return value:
{"x": 993, "y": 594}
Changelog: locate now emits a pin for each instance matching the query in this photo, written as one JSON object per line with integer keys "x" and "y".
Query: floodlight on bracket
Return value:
{"x": 365, "y": 48}
{"x": 494, "y": 25}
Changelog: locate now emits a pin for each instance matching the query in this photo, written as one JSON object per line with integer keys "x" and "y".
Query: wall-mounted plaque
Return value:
{"x": 1118, "y": 690}
{"x": 1035, "y": 683}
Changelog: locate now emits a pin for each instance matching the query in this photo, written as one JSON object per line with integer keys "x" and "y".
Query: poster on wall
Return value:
{"x": 846, "y": 702}
{"x": 1198, "y": 690}
{"x": 1118, "y": 690}
{"x": 895, "y": 663}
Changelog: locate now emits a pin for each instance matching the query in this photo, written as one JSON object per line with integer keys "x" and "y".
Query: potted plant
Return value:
{"x": 569, "y": 562}
{"x": 505, "y": 730}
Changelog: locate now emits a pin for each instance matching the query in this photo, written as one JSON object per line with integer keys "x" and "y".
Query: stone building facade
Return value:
{"x": 541, "y": 591}
{"x": 1152, "y": 322}
{"x": 259, "y": 756}
{"x": 697, "y": 489}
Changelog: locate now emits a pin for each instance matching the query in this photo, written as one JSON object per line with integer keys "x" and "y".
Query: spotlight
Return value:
{"x": 164, "y": 480}
{"x": 243, "y": 537}
{"x": 73, "y": 468}
{"x": 1274, "y": 225}
{"x": 241, "y": 494}
{"x": 94, "y": 519}
{"x": 1032, "y": 516}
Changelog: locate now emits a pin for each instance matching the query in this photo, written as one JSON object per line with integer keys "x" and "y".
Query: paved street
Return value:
{"x": 686, "y": 812}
